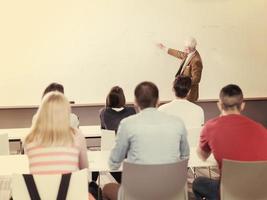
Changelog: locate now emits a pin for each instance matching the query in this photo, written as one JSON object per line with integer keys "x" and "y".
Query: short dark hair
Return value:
{"x": 53, "y": 87}
{"x": 182, "y": 85}
{"x": 146, "y": 94}
{"x": 231, "y": 97}
{"x": 115, "y": 98}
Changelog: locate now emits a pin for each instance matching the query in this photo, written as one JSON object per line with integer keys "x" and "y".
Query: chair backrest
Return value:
{"x": 4, "y": 144}
{"x": 150, "y": 182}
{"x": 107, "y": 139}
{"x": 5, "y": 187}
{"x": 48, "y": 186}
{"x": 193, "y": 136}
{"x": 244, "y": 180}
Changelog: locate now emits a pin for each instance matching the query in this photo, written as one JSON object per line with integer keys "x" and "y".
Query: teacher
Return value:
{"x": 191, "y": 65}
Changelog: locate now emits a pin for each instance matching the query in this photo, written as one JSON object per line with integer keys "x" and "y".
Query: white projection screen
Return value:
{"x": 91, "y": 45}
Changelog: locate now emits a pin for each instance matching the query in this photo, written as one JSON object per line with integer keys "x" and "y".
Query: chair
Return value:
{"x": 243, "y": 180}
{"x": 150, "y": 182}
{"x": 4, "y": 144}
{"x": 193, "y": 136}
{"x": 107, "y": 139}
{"x": 48, "y": 186}
{"x": 5, "y": 187}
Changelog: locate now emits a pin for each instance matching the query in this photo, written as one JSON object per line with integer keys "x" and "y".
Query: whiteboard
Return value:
{"x": 91, "y": 45}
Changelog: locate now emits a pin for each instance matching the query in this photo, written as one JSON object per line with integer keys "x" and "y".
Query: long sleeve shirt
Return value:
{"x": 150, "y": 137}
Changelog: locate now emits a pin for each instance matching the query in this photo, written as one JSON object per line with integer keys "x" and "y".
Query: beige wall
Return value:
{"x": 91, "y": 45}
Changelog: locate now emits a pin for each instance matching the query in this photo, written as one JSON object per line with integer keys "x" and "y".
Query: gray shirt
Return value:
{"x": 150, "y": 137}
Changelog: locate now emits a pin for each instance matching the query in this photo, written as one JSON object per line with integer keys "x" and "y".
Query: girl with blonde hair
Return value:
{"x": 53, "y": 146}
{"x": 52, "y": 124}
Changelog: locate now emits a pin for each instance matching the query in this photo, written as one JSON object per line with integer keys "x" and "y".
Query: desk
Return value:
{"x": 91, "y": 131}
{"x": 15, "y": 134}
{"x": 14, "y": 164}
{"x": 98, "y": 160}
{"x": 18, "y": 134}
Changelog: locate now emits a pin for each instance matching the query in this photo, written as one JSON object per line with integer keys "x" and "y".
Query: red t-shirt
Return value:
{"x": 234, "y": 137}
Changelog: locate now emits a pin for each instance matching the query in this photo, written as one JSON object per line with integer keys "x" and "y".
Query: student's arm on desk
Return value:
{"x": 119, "y": 152}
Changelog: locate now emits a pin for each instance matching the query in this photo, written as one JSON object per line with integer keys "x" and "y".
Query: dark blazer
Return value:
{"x": 193, "y": 69}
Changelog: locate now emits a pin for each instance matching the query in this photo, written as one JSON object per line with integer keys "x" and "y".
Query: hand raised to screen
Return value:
{"x": 161, "y": 46}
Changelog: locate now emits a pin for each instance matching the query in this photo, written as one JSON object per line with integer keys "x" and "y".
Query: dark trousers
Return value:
{"x": 116, "y": 176}
{"x": 206, "y": 188}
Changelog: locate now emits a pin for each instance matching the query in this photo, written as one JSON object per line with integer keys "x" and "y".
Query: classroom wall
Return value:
{"x": 89, "y": 115}
{"x": 92, "y": 45}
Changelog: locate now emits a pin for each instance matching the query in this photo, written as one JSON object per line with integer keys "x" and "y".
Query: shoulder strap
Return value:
{"x": 31, "y": 186}
{"x": 34, "y": 194}
{"x": 63, "y": 187}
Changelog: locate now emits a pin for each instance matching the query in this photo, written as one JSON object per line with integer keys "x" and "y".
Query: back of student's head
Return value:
{"x": 52, "y": 123}
{"x": 115, "y": 98}
{"x": 53, "y": 87}
{"x": 146, "y": 95}
{"x": 181, "y": 86}
{"x": 231, "y": 97}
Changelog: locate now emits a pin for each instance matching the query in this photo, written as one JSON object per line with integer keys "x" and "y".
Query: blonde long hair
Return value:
{"x": 51, "y": 126}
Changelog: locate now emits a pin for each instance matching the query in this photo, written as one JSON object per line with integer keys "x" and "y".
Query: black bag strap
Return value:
{"x": 31, "y": 186}
{"x": 63, "y": 187}
{"x": 34, "y": 194}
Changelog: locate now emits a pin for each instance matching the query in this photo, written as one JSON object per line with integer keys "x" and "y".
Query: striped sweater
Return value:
{"x": 57, "y": 159}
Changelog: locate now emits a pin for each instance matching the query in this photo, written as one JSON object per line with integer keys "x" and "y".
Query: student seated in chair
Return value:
{"x": 115, "y": 109}
{"x": 191, "y": 114}
{"x": 110, "y": 118}
{"x": 149, "y": 137}
{"x": 230, "y": 136}
{"x": 53, "y": 146}
{"x": 74, "y": 120}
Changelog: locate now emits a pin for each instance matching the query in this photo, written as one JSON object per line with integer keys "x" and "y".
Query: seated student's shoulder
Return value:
{"x": 130, "y": 119}
{"x": 28, "y": 147}
{"x": 214, "y": 122}
{"x": 169, "y": 118}
{"x": 102, "y": 110}
{"x": 255, "y": 125}
{"x": 130, "y": 109}
{"x": 163, "y": 106}
{"x": 199, "y": 108}
{"x": 194, "y": 107}
{"x": 78, "y": 135}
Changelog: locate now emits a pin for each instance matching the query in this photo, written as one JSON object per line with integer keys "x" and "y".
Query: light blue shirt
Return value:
{"x": 150, "y": 137}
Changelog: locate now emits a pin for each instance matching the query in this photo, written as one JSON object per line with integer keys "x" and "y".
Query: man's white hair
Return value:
{"x": 190, "y": 42}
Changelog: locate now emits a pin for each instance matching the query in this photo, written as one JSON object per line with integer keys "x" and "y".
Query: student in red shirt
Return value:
{"x": 229, "y": 136}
